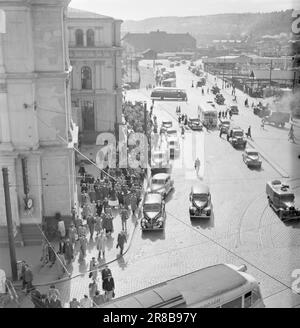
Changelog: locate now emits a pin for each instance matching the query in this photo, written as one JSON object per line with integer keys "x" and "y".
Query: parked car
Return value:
{"x": 162, "y": 183}
{"x": 236, "y": 137}
{"x": 160, "y": 161}
{"x": 224, "y": 125}
{"x": 251, "y": 158}
{"x": 154, "y": 214}
{"x": 282, "y": 199}
{"x": 234, "y": 109}
{"x": 200, "y": 202}
{"x": 173, "y": 142}
{"x": 195, "y": 124}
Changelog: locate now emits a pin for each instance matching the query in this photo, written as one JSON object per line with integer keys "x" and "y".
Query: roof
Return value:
{"x": 153, "y": 198}
{"x": 279, "y": 187}
{"x": 275, "y": 74}
{"x": 78, "y": 13}
{"x": 200, "y": 189}
{"x": 208, "y": 282}
{"x": 161, "y": 176}
{"x": 247, "y": 150}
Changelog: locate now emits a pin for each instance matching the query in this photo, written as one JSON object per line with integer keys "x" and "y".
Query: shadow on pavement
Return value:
{"x": 203, "y": 222}
{"x": 153, "y": 235}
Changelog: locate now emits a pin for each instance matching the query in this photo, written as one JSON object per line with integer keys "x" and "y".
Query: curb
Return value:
{"x": 275, "y": 166}
{"x": 58, "y": 281}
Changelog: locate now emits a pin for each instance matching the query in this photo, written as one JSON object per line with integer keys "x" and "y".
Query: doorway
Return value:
{"x": 88, "y": 115}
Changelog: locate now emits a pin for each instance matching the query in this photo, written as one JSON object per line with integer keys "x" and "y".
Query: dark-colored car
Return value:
{"x": 200, "y": 202}
{"x": 234, "y": 110}
{"x": 219, "y": 99}
{"x": 195, "y": 124}
{"x": 282, "y": 200}
{"x": 236, "y": 137}
{"x": 215, "y": 89}
{"x": 154, "y": 214}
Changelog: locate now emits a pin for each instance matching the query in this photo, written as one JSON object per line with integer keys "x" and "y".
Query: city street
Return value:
{"x": 243, "y": 229}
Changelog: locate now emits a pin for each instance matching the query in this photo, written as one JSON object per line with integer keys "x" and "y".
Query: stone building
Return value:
{"x": 95, "y": 55}
{"x": 35, "y": 107}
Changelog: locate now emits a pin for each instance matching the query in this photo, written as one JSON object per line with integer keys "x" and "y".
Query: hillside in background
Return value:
{"x": 221, "y": 26}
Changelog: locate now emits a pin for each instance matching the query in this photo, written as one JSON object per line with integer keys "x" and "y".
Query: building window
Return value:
{"x": 86, "y": 78}
{"x": 90, "y": 38}
{"x": 79, "y": 38}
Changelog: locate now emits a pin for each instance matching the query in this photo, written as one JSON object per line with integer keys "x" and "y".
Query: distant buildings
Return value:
{"x": 158, "y": 41}
{"x": 95, "y": 55}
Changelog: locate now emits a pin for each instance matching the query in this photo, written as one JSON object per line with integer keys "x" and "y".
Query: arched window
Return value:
{"x": 86, "y": 78}
{"x": 79, "y": 37}
{"x": 90, "y": 38}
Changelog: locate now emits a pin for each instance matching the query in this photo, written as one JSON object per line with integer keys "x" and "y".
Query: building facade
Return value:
{"x": 158, "y": 41}
{"x": 95, "y": 55}
{"x": 36, "y": 128}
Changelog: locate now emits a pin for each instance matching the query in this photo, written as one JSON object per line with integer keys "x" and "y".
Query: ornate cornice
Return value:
{"x": 94, "y": 53}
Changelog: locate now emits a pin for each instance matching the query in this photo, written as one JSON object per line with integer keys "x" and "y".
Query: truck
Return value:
{"x": 209, "y": 116}
{"x": 282, "y": 200}
{"x": 277, "y": 118}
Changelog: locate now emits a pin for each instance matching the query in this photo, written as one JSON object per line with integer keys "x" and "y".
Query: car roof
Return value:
{"x": 250, "y": 150}
{"x": 153, "y": 198}
{"x": 161, "y": 176}
{"x": 280, "y": 188}
{"x": 194, "y": 119}
{"x": 200, "y": 189}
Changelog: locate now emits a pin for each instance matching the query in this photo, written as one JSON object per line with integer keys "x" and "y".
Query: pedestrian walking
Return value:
{"x": 61, "y": 228}
{"x": 230, "y": 113}
{"x": 93, "y": 269}
{"x": 133, "y": 203}
{"x": 108, "y": 286}
{"x": 61, "y": 264}
{"x": 91, "y": 225}
{"x": 262, "y": 124}
{"x": 124, "y": 217}
{"x": 121, "y": 241}
{"x": 85, "y": 302}
{"x": 101, "y": 243}
{"x": 93, "y": 287}
{"x": 73, "y": 235}
{"x": 249, "y": 132}
{"x": 105, "y": 272}
{"x": 182, "y": 132}
{"x": 28, "y": 278}
{"x": 207, "y": 90}
{"x": 107, "y": 223}
{"x": 83, "y": 246}
{"x": 98, "y": 225}
{"x": 291, "y": 135}
{"x": 197, "y": 165}
{"x": 68, "y": 251}
{"x": 202, "y": 92}
{"x": 74, "y": 304}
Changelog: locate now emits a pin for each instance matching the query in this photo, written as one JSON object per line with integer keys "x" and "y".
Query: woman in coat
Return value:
{"x": 68, "y": 251}
{"x": 107, "y": 222}
{"x": 108, "y": 286}
{"x": 83, "y": 246}
{"x": 101, "y": 243}
{"x": 98, "y": 224}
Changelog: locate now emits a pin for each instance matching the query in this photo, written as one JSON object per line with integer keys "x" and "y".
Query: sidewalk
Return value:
{"x": 44, "y": 276}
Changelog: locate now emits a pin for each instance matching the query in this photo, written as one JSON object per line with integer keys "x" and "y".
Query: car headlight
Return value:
{"x": 193, "y": 208}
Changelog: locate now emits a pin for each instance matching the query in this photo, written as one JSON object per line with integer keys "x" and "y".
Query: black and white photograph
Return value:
{"x": 149, "y": 157}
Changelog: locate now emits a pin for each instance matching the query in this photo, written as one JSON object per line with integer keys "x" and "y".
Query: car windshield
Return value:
{"x": 172, "y": 132}
{"x": 238, "y": 133}
{"x": 158, "y": 156}
{"x": 226, "y": 123}
{"x": 200, "y": 197}
{"x": 159, "y": 181}
{"x": 234, "y": 107}
{"x": 287, "y": 197}
{"x": 152, "y": 207}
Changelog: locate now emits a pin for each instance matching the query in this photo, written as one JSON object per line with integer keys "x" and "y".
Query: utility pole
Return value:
{"x": 12, "y": 250}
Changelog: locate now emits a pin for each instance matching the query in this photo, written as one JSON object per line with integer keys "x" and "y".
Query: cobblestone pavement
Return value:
{"x": 242, "y": 230}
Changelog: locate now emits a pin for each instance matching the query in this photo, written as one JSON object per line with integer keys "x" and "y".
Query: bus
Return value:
{"x": 216, "y": 286}
{"x": 168, "y": 93}
{"x": 209, "y": 116}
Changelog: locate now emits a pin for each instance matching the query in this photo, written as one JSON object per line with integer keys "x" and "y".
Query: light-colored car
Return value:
{"x": 162, "y": 183}
{"x": 167, "y": 124}
{"x": 160, "y": 159}
{"x": 154, "y": 213}
{"x": 251, "y": 158}
{"x": 173, "y": 140}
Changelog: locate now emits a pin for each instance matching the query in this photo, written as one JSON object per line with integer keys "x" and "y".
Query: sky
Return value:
{"x": 141, "y": 9}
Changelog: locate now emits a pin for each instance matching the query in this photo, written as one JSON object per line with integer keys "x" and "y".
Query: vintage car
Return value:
{"x": 160, "y": 161}
{"x": 154, "y": 214}
{"x": 195, "y": 124}
{"x": 236, "y": 137}
{"x": 167, "y": 124}
{"x": 234, "y": 109}
{"x": 251, "y": 158}
{"x": 219, "y": 99}
{"x": 162, "y": 184}
{"x": 173, "y": 141}
{"x": 224, "y": 125}
{"x": 282, "y": 200}
{"x": 200, "y": 202}
{"x": 215, "y": 89}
